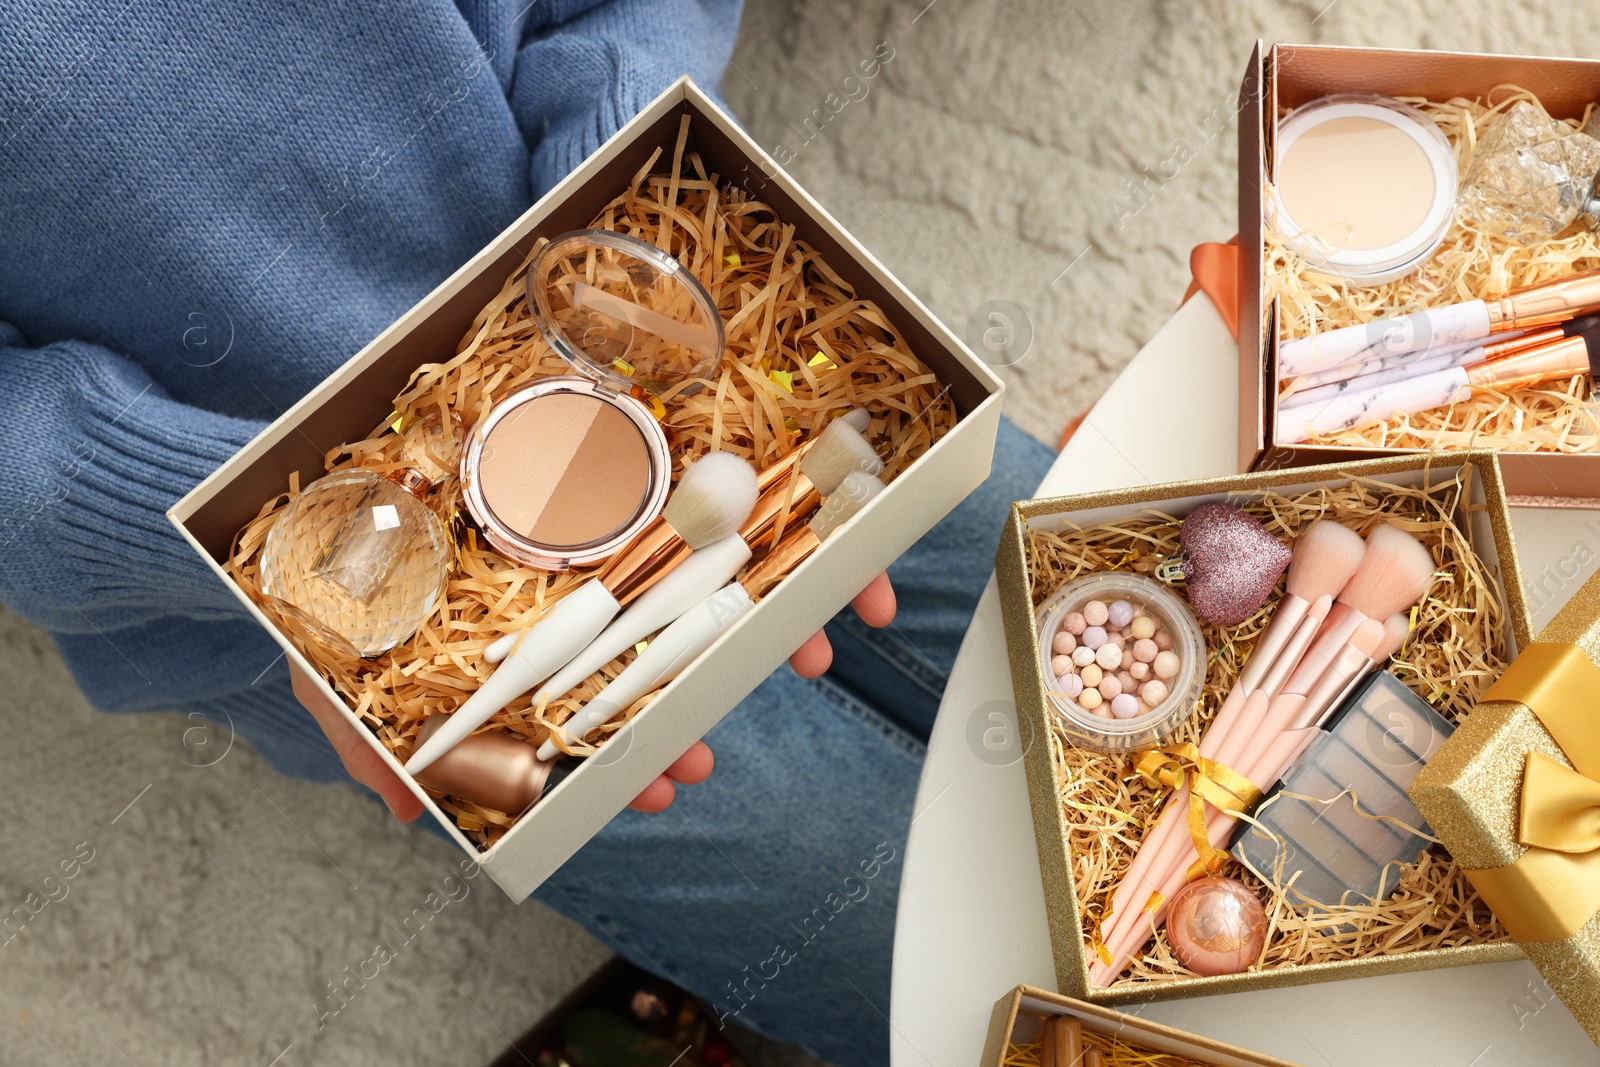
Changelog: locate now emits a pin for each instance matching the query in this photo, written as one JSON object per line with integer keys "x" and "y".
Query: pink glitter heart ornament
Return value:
{"x": 1231, "y": 563}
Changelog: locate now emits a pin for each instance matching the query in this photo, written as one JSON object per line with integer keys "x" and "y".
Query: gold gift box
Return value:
{"x": 1515, "y": 796}
{"x": 1488, "y": 525}
{"x": 1020, "y": 1016}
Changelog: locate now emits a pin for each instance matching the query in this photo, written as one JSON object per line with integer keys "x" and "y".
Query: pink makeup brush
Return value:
{"x": 1326, "y": 554}
{"x": 1394, "y": 573}
{"x": 1270, "y": 750}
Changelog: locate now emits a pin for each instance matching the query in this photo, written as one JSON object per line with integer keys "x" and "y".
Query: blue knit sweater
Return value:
{"x": 207, "y": 207}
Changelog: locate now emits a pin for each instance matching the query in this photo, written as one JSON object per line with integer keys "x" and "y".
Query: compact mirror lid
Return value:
{"x": 624, "y": 313}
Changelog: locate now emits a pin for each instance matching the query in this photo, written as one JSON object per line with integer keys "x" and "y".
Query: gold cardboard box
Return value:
{"x": 1288, "y": 75}
{"x": 1515, "y": 795}
{"x": 1488, "y": 525}
{"x": 1020, "y": 1015}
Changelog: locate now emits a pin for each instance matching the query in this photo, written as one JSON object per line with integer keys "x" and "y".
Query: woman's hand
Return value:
{"x": 875, "y": 604}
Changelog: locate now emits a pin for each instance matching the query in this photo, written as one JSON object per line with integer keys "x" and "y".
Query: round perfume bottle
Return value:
{"x": 357, "y": 560}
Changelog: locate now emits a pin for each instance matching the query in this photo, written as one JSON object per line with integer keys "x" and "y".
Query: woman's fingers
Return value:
{"x": 876, "y": 604}
{"x": 360, "y": 761}
{"x": 691, "y": 768}
{"x": 814, "y": 657}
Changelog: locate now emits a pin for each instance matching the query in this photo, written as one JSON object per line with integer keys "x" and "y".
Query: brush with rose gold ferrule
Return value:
{"x": 696, "y": 629}
{"x": 1545, "y": 304}
{"x": 714, "y": 497}
{"x": 1400, "y": 368}
{"x": 786, "y": 500}
{"x": 1550, "y": 362}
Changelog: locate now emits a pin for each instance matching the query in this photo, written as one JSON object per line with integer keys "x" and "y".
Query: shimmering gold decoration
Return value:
{"x": 1505, "y": 779}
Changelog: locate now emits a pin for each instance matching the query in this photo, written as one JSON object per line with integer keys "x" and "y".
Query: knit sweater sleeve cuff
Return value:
{"x": 101, "y": 452}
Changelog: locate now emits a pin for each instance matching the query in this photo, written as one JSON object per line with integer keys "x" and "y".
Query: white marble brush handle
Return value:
{"x": 1387, "y": 374}
{"x": 1380, "y": 338}
{"x": 673, "y": 649}
{"x": 1306, "y": 382}
{"x": 1367, "y": 406}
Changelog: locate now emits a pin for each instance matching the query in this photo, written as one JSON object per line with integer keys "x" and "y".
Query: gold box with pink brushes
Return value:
{"x": 1419, "y": 263}
{"x": 1224, "y": 689}
{"x": 546, "y": 529}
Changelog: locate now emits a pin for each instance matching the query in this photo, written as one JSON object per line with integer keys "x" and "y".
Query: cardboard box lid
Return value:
{"x": 1514, "y": 795}
{"x": 1154, "y": 1036}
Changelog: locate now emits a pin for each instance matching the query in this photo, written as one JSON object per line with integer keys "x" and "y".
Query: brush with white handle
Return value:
{"x": 1536, "y": 305}
{"x": 1365, "y": 407}
{"x": 697, "y": 628}
{"x": 824, "y": 459}
{"x": 714, "y": 496}
{"x": 1412, "y": 365}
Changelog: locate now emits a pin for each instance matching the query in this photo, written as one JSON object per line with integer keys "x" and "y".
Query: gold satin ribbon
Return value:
{"x": 1209, "y": 782}
{"x": 1554, "y": 889}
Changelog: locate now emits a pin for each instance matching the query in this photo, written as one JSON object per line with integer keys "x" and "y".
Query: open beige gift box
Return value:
{"x": 1021, "y": 1016}
{"x": 1482, "y": 514}
{"x": 1289, "y": 75}
{"x": 359, "y": 395}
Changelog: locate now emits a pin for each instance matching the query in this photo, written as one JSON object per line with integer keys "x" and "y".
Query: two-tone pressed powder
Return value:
{"x": 567, "y": 471}
{"x": 1364, "y": 186}
{"x": 565, "y": 467}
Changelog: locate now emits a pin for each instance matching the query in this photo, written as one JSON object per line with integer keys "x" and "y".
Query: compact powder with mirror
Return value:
{"x": 1364, "y": 187}
{"x": 565, "y": 472}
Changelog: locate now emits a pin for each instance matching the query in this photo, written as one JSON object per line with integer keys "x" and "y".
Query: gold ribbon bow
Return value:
{"x": 1209, "y": 782}
{"x": 1554, "y": 889}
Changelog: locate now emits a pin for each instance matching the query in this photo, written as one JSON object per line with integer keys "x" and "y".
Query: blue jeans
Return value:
{"x": 770, "y": 890}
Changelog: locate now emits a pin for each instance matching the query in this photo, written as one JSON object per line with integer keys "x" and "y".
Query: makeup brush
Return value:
{"x": 1393, "y": 572}
{"x": 1416, "y": 364}
{"x": 1301, "y": 383}
{"x": 1324, "y": 557}
{"x": 696, "y": 629}
{"x": 1544, "y": 304}
{"x": 1550, "y": 362}
{"x": 1260, "y": 763}
{"x": 705, "y": 570}
{"x": 715, "y": 494}
{"x": 823, "y": 458}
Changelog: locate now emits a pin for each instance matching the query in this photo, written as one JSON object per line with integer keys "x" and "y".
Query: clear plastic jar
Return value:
{"x": 1098, "y": 728}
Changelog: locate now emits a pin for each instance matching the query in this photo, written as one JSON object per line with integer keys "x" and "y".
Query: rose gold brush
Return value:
{"x": 1260, "y": 764}
{"x": 1394, "y": 573}
{"x": 1325, "y": 556}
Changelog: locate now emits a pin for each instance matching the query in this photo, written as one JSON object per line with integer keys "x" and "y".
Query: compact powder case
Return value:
{"x": 1364, "y": 187}
{"x": 567, "y": 471}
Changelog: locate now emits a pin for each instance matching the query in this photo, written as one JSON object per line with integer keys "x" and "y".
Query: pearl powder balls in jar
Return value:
{"x": 1114, "y": 658}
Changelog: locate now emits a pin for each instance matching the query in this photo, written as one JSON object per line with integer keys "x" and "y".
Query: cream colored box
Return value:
{"x": 359, "y": 394}
{"x": 1020, "y": 1016}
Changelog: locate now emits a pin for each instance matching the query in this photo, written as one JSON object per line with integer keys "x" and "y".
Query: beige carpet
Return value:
{"x": 986, "y": 159}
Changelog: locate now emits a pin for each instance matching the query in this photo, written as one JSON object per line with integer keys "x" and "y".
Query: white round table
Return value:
{"x": 971, "y": 919}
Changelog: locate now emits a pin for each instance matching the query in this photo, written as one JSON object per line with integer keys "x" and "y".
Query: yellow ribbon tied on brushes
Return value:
{"x": 1209, "y": 782}
{"x": 1554, "y": 889}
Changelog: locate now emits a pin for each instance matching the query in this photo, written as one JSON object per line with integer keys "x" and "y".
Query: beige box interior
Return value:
{"x": 1289, "y": 75}
{"x": 1014, "y": 1021}
{"x": 360, "y": 394}
{"x": 1034, "y": 713}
